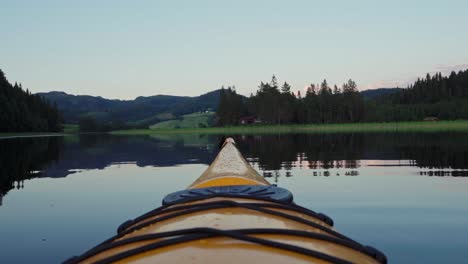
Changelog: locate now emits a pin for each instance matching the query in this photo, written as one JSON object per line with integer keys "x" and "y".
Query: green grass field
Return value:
{"x": 70, "y": 129}
{"x": 419, "y": 126}
{"x": 96, "y": 115}
{"x": 188, "y": 121}
{"x": 149, "y": 120}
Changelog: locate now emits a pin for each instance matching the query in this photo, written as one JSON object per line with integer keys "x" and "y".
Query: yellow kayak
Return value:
{"x": 230, "y": 214}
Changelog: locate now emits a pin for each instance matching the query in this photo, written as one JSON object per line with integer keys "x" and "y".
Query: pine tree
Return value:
{"x": 336, "y": 90}
{"x": 274, "y": 82}
{"x": 311, "y": 90}
{"x": 286, "y": 88}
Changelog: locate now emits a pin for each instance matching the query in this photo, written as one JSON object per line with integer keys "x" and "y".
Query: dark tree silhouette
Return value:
{"x": 21, "y": 111}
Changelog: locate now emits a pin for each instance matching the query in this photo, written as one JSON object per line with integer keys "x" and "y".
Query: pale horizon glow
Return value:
{"x": 124, "y": 49}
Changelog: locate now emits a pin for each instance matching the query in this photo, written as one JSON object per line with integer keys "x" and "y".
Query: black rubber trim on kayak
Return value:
{"x": 122, "y": 229}
{"x": 178, "y": 210}
{"x": 193, "y": 208}
{"x": 286, "y": 206}
{"x": 271, "y": 192}
{"x": 202, "y": 233}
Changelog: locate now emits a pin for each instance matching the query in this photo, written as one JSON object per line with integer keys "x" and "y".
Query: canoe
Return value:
{"x": 230, "y": 214}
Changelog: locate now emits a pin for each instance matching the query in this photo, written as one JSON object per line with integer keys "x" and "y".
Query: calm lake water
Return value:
{"x": 406, "y": 194}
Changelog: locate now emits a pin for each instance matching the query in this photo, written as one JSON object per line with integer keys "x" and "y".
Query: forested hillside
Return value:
{"x": 430, "y": 97}
{"x": 142, "y": 111}
{"x": 374, "y": 93}
{"x": 21, "y": 111}
{"x": 435, "y": 97}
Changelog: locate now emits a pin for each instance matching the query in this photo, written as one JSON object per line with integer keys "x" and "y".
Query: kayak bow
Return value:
{"x": 230, "y": 214}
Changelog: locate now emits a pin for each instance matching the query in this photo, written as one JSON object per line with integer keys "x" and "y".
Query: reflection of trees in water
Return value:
{"x": 276, "y": 174}
{"x": 439, "y": 154}
{"x": 437, "y": 151}
{"x": 24, "y": 158}
{"x": 100, "y": 151}
{"x": 313, "y": 151}
{"x": 442, "y": 173}
{"x": 344, "y": 151}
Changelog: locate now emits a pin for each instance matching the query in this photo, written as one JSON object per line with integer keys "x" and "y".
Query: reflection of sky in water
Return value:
{"x": 386, "y": 203}
{"x": 55, "y": 218}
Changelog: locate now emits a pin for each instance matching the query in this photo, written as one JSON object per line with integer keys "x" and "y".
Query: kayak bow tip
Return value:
{"x": 229, "y": 168}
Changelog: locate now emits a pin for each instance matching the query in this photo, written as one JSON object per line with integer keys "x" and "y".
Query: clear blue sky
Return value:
{"x": 123, "y": 49}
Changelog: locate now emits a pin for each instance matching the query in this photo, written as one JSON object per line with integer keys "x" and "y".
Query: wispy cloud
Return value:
{"x": 447, "y": 69}
{"x": 404, "y": 81}
{"x": 391, "y": 83}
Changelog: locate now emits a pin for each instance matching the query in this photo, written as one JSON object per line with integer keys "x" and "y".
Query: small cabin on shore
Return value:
{"x": 247, "y": 120}
{"x": 431, "y": 118}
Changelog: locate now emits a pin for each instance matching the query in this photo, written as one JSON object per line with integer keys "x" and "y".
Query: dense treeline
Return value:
{"x": 433, "y": 97}
{"x": 21, "y": 111}
{"x": 273, "y": 104}
{"x": 231, "y": 107}
{"x": 433, "y": 89}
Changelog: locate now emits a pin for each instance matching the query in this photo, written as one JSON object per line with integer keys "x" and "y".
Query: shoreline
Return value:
{"x": 395, "y": 127}
{"x": 30, "y": 135}
{"x": 411, "y": 126}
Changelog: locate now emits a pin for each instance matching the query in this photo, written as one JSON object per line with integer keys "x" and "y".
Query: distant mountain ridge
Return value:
{"x": 143, "y": 109}
{"x": 373, "y": 93}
